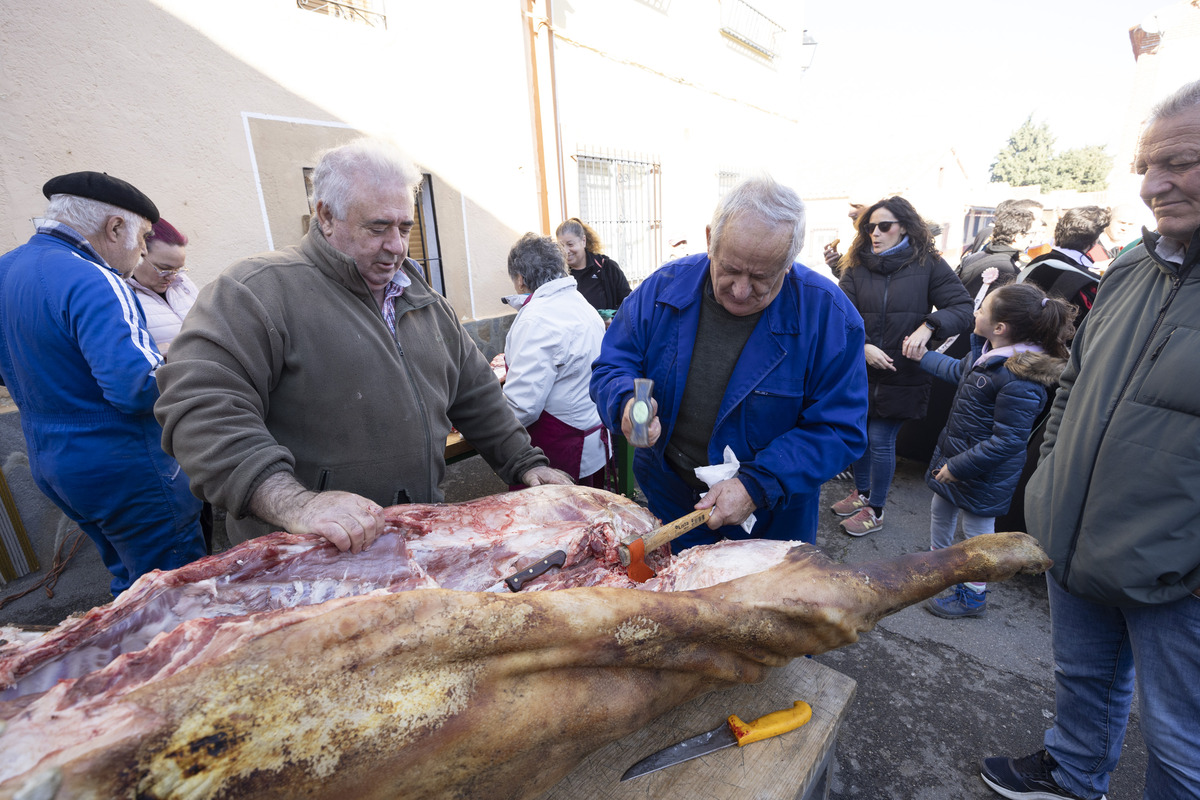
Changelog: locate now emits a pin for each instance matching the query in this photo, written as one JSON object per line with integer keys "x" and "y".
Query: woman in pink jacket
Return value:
{"x": 161, "y": 284}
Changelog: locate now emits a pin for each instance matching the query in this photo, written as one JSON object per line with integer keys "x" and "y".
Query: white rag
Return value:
{"x": 715, "y": 473}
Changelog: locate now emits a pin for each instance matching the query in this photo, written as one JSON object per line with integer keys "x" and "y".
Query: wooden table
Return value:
{"x": 795, "y": 766}
{"x": 457, "y": 448}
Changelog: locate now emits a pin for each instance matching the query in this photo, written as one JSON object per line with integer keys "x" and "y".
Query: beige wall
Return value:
{"x": 212, "y": 108}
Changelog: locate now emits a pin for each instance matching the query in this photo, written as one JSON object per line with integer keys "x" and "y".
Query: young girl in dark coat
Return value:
{"x": 1018, "y": 349}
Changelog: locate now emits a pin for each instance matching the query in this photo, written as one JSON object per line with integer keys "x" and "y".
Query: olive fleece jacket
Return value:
{"x": 285, "y": 363}
{"x": 1114, "y": 498}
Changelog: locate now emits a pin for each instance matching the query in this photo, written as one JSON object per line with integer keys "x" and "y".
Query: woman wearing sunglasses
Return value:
{"x": 896, "y": 279}
{"x": 161, "y": 284}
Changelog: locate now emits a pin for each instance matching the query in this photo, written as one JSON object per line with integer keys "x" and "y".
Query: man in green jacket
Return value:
{"x": 312, "y": 386}
{"x": 1115, "y": 498}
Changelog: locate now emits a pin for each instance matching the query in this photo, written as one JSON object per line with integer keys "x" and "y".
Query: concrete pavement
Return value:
{"x": 934, "y": 696}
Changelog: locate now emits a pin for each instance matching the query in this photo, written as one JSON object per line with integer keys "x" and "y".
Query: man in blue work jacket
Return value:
{"x": 76, "y": 356}
{"x": 747, "y": 350}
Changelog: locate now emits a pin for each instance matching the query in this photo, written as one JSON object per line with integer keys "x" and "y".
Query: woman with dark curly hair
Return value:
{"x": 895, "y": 278}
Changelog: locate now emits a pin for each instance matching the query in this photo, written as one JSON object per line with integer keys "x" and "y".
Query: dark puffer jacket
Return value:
{"x": 990, "y": 421}
{"x": 1001, "y": 256}
{"x": 894, "y": 297}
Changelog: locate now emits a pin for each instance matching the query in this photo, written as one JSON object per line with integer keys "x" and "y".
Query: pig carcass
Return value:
{"x": 432, "y": 692}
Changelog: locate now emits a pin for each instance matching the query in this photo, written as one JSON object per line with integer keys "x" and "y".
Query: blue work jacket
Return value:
{"x": 794, "y": 410}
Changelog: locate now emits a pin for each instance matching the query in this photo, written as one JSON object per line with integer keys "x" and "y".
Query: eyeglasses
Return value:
{"x": 168, "y": 273}
{"x": 884, "y": 226}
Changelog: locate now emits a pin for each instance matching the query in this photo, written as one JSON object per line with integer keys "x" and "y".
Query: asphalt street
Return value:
{"x": 934, "y": 696}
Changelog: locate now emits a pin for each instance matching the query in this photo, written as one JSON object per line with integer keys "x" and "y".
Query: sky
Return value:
{"x": 903, "y": 76}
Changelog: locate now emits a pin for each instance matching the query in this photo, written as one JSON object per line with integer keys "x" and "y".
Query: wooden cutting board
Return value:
{"x": 782, "y": 768}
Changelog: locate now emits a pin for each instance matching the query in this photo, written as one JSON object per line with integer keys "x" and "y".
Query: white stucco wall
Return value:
{"x": 211, "y": 108}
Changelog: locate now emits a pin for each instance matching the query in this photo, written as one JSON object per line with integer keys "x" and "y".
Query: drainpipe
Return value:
{"x": 536, "y": 21}
{"x": 562, "y": 186}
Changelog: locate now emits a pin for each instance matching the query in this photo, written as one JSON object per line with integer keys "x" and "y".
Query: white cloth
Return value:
{"x": 715, "y": 473}
{"x": 165, "y": 316}
{"x": 549, "y": 351}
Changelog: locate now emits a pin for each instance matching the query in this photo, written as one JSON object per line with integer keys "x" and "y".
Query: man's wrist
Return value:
{"x": 278, "y": 498}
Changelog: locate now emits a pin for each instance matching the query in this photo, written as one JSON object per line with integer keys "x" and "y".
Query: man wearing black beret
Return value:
{"x": 76, "y": 356}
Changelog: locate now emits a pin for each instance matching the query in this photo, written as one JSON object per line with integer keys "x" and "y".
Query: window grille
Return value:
{"x": 726, "y": 180}
{"x": 620, "y": 197}
{"x": 747, "y": 25}
{"x": 367, "y": 12}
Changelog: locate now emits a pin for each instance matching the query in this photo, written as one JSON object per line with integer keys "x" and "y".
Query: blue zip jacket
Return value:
{"x": 79, "y": 363}
{"x": 990, "y": 420}
{"x": 794, "y": 411}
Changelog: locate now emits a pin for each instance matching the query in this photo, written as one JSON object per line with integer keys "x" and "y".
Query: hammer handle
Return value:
{"x": 667, "y": 533}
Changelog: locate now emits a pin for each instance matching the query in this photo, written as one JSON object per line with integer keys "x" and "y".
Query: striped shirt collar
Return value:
{"x": 61, "y": 230}
{"x": 396, "y": 286}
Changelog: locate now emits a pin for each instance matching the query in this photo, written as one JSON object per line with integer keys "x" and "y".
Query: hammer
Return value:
{"x": 632, "y": 551}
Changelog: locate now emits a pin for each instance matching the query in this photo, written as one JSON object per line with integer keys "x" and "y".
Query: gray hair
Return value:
{"x": 767, "y": 200}
{"x": 87, "y": 216}
{"x": 537, "y": 259}
{"x": 342, "y": 170}
{"x": 1183, "y": 99}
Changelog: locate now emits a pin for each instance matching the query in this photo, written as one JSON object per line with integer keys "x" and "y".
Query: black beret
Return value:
{"x": 105, "y": 188}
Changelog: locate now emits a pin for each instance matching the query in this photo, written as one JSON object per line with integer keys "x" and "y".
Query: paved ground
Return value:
{"x": 934, "y": 696}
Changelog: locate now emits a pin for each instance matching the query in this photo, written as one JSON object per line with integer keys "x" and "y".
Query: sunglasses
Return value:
{"x": 884, "y": 227}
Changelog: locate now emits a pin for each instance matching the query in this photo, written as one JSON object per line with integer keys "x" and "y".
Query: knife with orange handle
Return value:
{"x": 734, "y": 731}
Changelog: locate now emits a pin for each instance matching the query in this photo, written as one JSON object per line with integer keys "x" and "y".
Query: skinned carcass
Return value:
{"x": 443, "y": 693}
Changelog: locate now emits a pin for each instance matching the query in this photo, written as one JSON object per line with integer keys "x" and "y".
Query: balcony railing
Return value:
{"x": 744, "y": 23}
{"x": 363, "y": 11}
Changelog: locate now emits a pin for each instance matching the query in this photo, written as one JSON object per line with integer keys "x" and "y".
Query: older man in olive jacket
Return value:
{"x": 312, "y": 386}
{"x": 1115, "y": 502}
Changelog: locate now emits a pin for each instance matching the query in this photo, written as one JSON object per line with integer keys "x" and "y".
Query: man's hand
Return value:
{"x": 539, "y": 476}
{"x": 878, "y": 359}
{"x": 914, "y": 343}
{"x": 944, "y": 475}
{"x": 655, "y": 425}
{"x": 346, "y": 520}
{"x": 730, "y": 503}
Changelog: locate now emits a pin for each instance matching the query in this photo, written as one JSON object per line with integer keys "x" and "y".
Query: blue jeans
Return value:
{"x": 874, "y": 471}
{"x": 1096, "y": 650}
{"x": 943, "y": 522}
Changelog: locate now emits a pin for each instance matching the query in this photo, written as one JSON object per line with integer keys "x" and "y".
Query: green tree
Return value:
{"x": 1026, "y": 160}
{"x": 1083, "y": 168}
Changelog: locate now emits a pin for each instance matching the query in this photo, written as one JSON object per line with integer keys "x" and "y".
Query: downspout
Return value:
{"x": 562, "y": 186}
{"x": 535, "y": 92}
{"x": 535, "y": 22}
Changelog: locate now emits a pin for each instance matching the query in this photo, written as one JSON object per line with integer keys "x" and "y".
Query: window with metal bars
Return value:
{"x": 726, "y": 180}
{"x": 620, "y": 197}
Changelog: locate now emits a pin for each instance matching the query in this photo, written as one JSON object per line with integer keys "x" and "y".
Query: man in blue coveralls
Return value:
{"x": 75, "y": 354}
{"x": 748, "y": 350}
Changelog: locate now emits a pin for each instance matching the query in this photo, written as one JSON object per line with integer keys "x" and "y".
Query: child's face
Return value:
{"x": 985, "y": 326}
